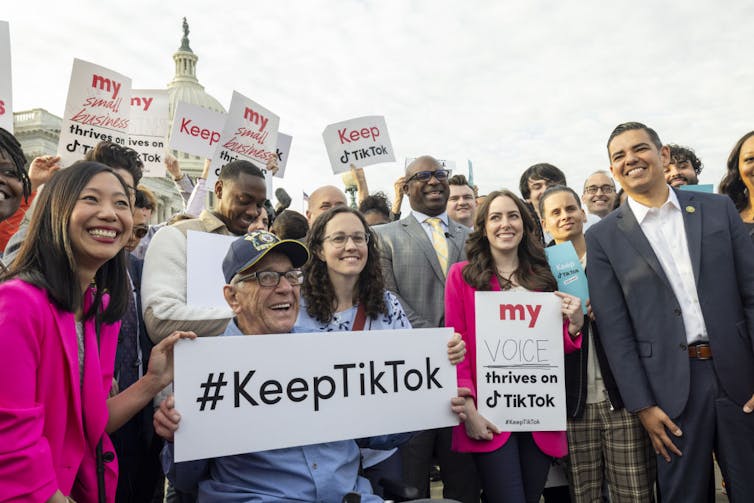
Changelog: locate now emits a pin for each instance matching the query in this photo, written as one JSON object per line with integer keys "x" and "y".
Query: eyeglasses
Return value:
{"x": 424, "y": 176}
{"x": 592, "y": 189}
{"x": 272, "y": 278}
{"x": 140, "y": 231}
{"x": 340, "y": 240}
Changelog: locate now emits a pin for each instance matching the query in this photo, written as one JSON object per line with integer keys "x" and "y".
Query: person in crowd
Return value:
{"x": 462, "y": 201}
{"x": 15, "y": 186}
{"x": 343, "y": 289}
{"x": 264, "y": 220}
{"x": 532, "y": 184}
{"x": 599, "y": 194}
{"x": 399, "y": 188}
{"x": 415, "y": 254}
{"x": 59, "y": 308}
{"x": 322, "y": 199}
{"x": 505, "y": 256}
{"x": 738, "y": 182}
{"x": 262, "y": 270}
{"x": 606, "y": 442}
{"x": 144, "y": 205}
{"x": 376, "y": 209}
{"x": 241, "y": 193}
{"x": 684, "y": 166}
{"x": 290, "y": 224}
{"x": 671, "y": 278}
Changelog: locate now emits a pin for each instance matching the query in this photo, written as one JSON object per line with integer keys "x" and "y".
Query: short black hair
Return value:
{"x": 679, "y": 153}
{"x": 290, "y": 224}
{"x": 632, "y": 126}
{"x": 376, "y": 202}
{"x": 10, "y": 146}
{"x": 233, "y": 169}
{"x": 541, "y": 171}
{"x": 118, "y": 157}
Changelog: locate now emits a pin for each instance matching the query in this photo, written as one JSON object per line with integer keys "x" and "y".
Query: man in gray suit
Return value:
{"x": 671, "y": 279}
{"x": 416, "y": 253}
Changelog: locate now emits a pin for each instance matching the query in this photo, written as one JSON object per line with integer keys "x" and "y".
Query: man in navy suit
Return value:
{"x": 671, "y": 279}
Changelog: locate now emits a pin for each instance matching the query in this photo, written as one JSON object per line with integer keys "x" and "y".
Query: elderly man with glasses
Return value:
{"x": 263, "y": 287}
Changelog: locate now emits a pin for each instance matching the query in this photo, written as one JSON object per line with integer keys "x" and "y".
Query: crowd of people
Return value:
{"x": 659, "y": 372}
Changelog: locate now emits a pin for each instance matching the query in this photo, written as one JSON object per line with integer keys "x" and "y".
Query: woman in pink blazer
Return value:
{"x": 58, "y": 338}
{"x": 505, "y": 255}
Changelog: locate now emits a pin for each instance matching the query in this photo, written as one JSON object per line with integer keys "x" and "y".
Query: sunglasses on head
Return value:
{"x": 140, "y": 231}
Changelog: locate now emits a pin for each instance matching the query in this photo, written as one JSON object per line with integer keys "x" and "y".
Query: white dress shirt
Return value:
{"x": 666, "y": 233}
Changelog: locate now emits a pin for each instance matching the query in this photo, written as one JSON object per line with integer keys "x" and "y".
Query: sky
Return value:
{"x": 505, "y": 84}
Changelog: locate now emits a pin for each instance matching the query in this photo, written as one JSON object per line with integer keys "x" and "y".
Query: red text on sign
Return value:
{"x": 519, "y": 312}
{"x": 105, "y": 84}
{"x": 255, "y": 117}
{"x": 346, "y": 136}
{"x": 141, "y": 102}
{"x": 196, "y": 131}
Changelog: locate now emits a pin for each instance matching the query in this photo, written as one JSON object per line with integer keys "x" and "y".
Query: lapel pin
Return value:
{"x": 690, "y": 209}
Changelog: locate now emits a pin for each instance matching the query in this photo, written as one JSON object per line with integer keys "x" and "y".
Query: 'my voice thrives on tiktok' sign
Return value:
{"x": 259, "y": 392}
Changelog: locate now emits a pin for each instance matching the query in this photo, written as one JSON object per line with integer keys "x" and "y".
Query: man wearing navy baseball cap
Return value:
{"x": 264, "y": 280}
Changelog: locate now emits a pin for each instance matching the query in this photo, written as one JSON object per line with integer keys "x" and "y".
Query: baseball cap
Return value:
{"x": 249, "y": 249}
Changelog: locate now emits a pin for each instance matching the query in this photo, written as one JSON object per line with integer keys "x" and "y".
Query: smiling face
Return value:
{"x": 600, "y": 202}
{"x": 680, "y": 172}
{"x": 351, "y": 259}
{"x": 462, "y": 204}
{"x": 503, "y": 226}
{"x": 11, "y": 188}
{"x": 239, "y": 201}
{"x": 429, "y": 197}
{"x": 101, "y": 221}
{"x": 563, "y": 218}
{"x": 636, "y": 163}
{"x": 263, "y": 309}
{"x": 141, "y": 225}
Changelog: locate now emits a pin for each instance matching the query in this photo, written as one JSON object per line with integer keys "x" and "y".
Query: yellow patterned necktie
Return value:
{"x": 439, "y": 243}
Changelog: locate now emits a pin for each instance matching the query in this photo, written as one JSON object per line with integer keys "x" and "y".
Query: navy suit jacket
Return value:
{"x": 639, "y": 317}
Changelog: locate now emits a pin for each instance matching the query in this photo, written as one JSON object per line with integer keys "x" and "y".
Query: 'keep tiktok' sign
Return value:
{"x": 520, "y": 379}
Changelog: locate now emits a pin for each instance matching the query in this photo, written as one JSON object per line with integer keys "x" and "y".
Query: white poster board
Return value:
{"x": 360, "y": 142}
{"x": 6, "y": 82}
{"x": 519, "y": 357}
{"x": 205, "y": 252}
{"x": 196, "y": 130}
{"x": 148, "y": 128}
{"x": 259, "y": 392}
{"x": 283, "y": 151}
{"x": 97, "y": 109}
{"x": 250, "y": 133}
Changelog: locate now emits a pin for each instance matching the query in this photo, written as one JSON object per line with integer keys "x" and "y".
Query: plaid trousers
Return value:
{"x": 613, "y": 443}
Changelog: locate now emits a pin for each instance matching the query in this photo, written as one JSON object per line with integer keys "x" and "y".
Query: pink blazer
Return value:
{"x": 459, "y": 314}
{"x": 44, "y": 445}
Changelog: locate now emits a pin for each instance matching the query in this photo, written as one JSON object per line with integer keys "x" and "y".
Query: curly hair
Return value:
{"x": 11, "y": 149}
{"x": 679, "y": 153}
{"x": 318, "y": 290}
{"x": 376, "y": 202}
{"x": 117, "y": 156}
{"x": 533, "y": 272}
{"x": 732, "y": 184}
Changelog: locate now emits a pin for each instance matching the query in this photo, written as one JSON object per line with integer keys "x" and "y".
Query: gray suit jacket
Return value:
{"x": 412, "y": 271}
{"x": 638, "y": 315}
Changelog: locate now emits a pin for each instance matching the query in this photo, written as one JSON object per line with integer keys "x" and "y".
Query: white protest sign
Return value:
{"x": 196, "y": 130}
{"x": 259, "y": 392}
{"x": 283, "y": 151}
{"x": 97, "y": 109}
{"x": 519, "y": 355}
{"x": 6, "y": 83}
{"x": 148, "y": 128}
{"x": 250, "y": 133}
{"x": 360, "y": 142}
{"x": 204, "y": 268}
{"x": 451, "y": 165}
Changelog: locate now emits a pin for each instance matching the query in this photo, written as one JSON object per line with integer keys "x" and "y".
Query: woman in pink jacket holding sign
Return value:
{"x": 505, "y": 256}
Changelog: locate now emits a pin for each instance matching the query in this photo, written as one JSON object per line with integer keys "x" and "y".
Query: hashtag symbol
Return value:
{"x": 216, "y": 397}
